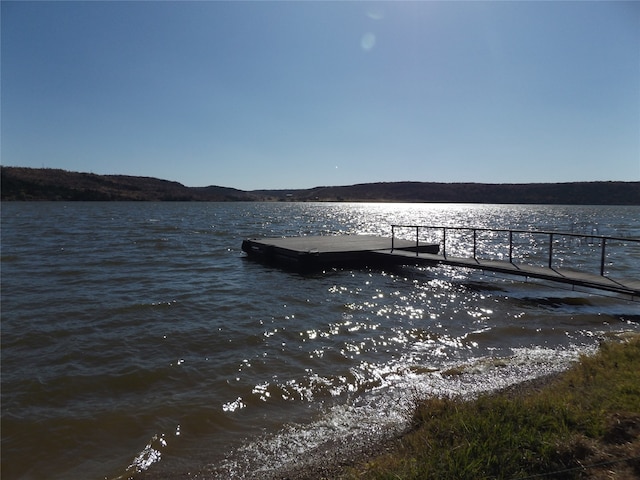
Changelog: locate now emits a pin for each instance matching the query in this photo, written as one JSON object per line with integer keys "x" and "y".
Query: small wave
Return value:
{"x": 136, "y": 307}
{"x": 384, "y": 412}
{"x": 558, "y": 302}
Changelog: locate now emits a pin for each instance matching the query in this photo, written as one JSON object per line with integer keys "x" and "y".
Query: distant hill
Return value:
{"x": 19, "y": 183}
{"x": 577, "y": 193}
{"x": 52, "y": 184}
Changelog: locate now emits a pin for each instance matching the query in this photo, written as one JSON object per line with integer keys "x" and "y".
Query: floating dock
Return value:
{"x": 326, "y": 251}
{"x": 321, "y": 252}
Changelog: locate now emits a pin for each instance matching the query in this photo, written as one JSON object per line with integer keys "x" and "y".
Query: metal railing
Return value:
{"x": 599, "y": 239}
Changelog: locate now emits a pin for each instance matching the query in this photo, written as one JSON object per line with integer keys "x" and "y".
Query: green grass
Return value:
{"x": 585, "y": 416}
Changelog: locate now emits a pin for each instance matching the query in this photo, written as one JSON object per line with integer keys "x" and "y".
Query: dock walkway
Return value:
{"x": 562, "y": 275}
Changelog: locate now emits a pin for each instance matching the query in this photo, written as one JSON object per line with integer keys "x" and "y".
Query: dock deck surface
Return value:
{"x": 368, "y": 250}
{"x": 321, "y": 244}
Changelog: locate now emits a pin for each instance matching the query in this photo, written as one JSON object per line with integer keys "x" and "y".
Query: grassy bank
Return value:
{"x": 584, "y": 423}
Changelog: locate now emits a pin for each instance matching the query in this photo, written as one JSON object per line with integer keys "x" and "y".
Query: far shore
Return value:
{"x": 46, "y": 184}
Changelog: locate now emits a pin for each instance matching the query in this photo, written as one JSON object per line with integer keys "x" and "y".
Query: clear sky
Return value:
{"x": 300, "y": 94}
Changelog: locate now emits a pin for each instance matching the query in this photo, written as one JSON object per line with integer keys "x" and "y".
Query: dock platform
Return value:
{"x": 326, "y": 251}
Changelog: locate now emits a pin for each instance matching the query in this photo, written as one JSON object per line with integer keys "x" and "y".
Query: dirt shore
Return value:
{"x": 331, "y": 460}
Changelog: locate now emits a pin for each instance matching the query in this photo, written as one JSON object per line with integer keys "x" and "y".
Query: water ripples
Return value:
{"x": 136, "y": 336}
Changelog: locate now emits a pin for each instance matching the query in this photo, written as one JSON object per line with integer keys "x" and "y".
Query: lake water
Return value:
{"x": 137, "y": 338}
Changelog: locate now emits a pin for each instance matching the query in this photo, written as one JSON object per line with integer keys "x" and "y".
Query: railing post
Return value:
{"x": 474, "y": 244}
{"x": 393, "y": 236}
{"x": 444, "y": 242}
{"x": 604, "y": 243}
{"x": 550, "y": 248}
{"x": 417, "y": 241}
{"x": 510, "y": 246}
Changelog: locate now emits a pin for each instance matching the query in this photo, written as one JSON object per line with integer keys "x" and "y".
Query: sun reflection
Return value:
{"x": 149, "y": 455}
{"x": 237, "y": 404}
{"x": 262, "y": 391}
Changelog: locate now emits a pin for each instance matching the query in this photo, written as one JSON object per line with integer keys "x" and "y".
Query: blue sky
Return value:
{"x": 299, "y": 94}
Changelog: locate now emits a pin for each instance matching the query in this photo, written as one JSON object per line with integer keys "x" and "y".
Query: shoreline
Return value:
{"x": 351, "y": 456}
{"x": 333, "y": 464}
{"x": 333, "y": 459}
